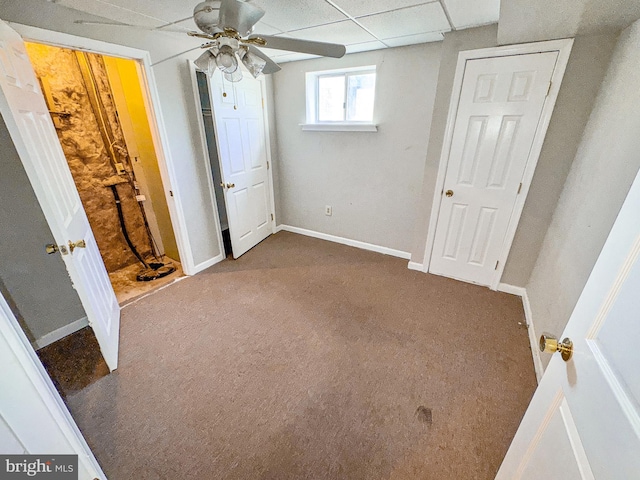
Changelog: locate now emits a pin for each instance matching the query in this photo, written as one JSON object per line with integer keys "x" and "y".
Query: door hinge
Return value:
{"x": 272, "y": 217}
{"x": 520, "y": 188}
{"x": 267, "y": 165}
{"x": 497, "y": 263}
{"x": 262, "y": 100}
{"x": 171, "y": 192}
{"x": 549, "y": 89}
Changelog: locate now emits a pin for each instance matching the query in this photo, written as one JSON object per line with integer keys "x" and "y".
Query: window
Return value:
{"x": 341, "y": 99}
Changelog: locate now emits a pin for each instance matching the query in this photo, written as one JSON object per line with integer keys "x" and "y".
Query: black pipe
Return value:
{"x": 124, "y": 227}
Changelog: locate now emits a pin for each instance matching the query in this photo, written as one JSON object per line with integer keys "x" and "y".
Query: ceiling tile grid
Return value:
{"x": 465, "y": 13}
{"x": 407, "y": 21}
{"x": 361, "y": 25}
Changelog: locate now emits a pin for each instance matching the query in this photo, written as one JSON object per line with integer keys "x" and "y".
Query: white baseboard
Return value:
{"x": 416, "y": 266}
{"x": 60, "y": 333}
{"x": 528, "y": 315}
{"x": 512, "y": 289}
{"x": 345, "y": 241}
{"x": 533, "y": 337}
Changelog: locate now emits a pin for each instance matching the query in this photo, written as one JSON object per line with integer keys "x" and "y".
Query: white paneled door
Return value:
{"x": 242, "y": 148}
{"x": 584, "y": 419}
{"x": 29, "y": 123}
{"x": 500, "y": 105}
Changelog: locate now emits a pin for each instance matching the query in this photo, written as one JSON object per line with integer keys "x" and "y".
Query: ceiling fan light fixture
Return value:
{"x": 233, "y": 77}
{"x": 206, "y": 62}
{"x": 226, "y": 60}
{"x": 254, "y": 63}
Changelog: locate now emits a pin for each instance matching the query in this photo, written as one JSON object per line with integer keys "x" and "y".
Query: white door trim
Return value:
{"x": 267, "y": 139}
{"x": 563, "y": 47}
{"x": 32, "y": 367}
{"x": 205, "y": 153}
{"x": 154, "y": 116}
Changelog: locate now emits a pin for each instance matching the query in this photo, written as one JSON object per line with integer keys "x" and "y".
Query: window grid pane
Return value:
{"x": 360, "y": 97}
{"x": 331, "y": 101}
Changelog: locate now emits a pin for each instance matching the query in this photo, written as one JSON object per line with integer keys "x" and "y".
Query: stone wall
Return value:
{"x": 66, "y": 91}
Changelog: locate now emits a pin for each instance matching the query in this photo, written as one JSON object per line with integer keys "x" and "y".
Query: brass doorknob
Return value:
{"x": 550, "y": 344}
{"x": 231, "y": 185}
{"x": 51, "y": 248}
{"x": 449, "y": 193}
{"x": 78, "y": 244}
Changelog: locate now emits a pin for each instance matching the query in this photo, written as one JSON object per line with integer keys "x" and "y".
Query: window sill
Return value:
{"x": 339, "y": 127}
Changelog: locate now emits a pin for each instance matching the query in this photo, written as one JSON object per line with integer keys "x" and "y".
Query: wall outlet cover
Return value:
{"x": 327, "y": 210}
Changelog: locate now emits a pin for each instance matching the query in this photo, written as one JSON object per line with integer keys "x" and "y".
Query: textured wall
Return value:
{"x": 587, "y": 66}
{"x": 36, "y": 285}
{"x": 372, "y": 180}
{"x": 604, "y": 168}
{"x": 60, "y": 74}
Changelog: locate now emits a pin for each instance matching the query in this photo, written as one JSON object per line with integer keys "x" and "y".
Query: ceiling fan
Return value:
{"x": 228, "y": 27}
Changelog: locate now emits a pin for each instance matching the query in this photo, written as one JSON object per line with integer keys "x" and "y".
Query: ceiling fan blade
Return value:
{"x": 239, "y": 15}
{"x": 271, "y": 66}
{"x": 176, "y": 55}
{"x": 303, "y": 46}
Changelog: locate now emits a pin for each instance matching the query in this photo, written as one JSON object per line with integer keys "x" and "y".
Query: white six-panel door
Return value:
{"x": 500, "y": 105}
{"x": 27, "y": 117}
{"x": 242, "y": 147}
{"x": 584, "y": 419}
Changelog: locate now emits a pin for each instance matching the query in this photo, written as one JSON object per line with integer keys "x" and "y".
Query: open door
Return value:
{"x": 242, "y": 149}
{"x": 33, "y": 417}
{"x": 24, "y": 110}
{"x": 584, "y": 419}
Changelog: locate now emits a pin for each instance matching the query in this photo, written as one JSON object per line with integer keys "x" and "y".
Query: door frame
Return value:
{"x": 155, "y": 118}
{"x": 267, "y": 137}
{"x": 205, "y": 151}
{"x": 563, "y": 47}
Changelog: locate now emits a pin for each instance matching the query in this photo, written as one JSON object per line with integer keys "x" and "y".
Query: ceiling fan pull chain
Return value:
{"x": 235, "y": 97}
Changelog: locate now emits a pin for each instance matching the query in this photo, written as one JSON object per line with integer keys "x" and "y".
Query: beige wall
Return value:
{"x": 36, "y": 285}
{"x": 605, "y": 165}
{"x": 587, "y": 66}
{"x": 372, "y": 180}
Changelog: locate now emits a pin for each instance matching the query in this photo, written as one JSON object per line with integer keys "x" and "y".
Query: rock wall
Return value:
{"x": 66, "y": 91}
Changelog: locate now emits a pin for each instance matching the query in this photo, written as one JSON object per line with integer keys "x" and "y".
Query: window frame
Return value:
{"x": 312, "y": 95}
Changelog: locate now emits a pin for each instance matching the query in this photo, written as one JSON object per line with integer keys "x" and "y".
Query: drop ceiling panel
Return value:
{"x": 407, "y": 21}
{"x": 165, "y": 9}
{"x": 467, "y": 13}
{"x": 365, "y": 47}
{"x": 266, "y": 29}
{"x": 358, "y": 8}
{"x": 414, "y": 39}
{"x": 286, "y": 15}
{"x": 115, "y": 13}
{"x": 346, "y": 33}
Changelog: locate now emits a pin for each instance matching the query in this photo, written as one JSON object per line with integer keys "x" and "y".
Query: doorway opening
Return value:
{"x": 98, "y": 110}
{"x": 212, "y": 150}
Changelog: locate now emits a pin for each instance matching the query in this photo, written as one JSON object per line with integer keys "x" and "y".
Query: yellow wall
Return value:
{"x": 125, "y": 83}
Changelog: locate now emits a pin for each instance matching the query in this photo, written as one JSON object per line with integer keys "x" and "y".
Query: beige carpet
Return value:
{"x": 310, "y": 360}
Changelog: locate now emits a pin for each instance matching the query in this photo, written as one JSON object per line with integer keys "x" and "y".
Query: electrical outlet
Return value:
{"x": 327, "y": 210}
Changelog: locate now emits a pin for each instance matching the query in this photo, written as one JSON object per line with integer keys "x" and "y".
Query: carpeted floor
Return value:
{"x": 306, "y": 359}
